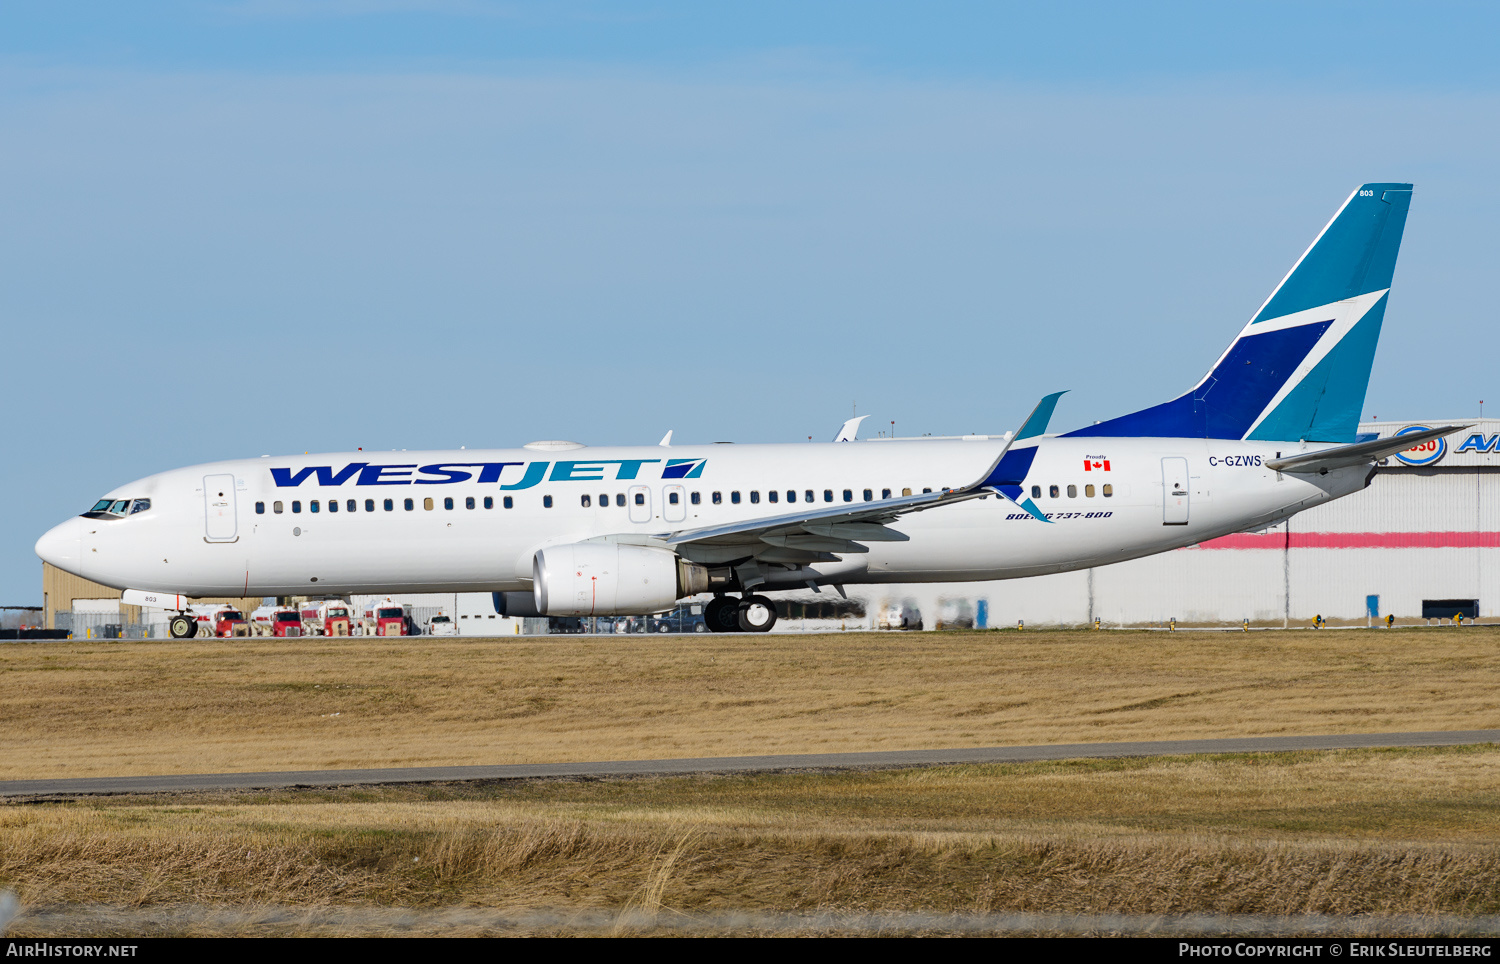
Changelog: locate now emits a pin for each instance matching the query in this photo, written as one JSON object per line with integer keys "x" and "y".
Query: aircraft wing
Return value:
{"x": 812, "y": 534}
{"x": 1359, "y": 453}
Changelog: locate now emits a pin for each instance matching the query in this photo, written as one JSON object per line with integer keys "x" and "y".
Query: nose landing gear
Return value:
{"x": 752, "y": 614}
{"x": 182, "y": 626}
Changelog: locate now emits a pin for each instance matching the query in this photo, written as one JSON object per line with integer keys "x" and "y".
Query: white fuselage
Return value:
{"x": 241, "y": 529}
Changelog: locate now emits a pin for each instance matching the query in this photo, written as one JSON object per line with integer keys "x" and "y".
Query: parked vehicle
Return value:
{"x": 683, "y": 619}
{"x": 334, "y": 617}
{"x": 390, "y": 618}
{"x": 222, "y": 621}
{"x": 441, "y": 625}
{"x": 286, "y": 622}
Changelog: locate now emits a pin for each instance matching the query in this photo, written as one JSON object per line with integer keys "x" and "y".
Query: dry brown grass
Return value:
{"x": 90, "y": 708}
{"x": 1349, "y": 832}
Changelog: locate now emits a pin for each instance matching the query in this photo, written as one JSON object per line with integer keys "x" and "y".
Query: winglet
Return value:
{"x": 666, "y": 440}
{"x": 1009, "y": 469}
{"x": 1036, "y": 422}
{"x": 850, "y": 430}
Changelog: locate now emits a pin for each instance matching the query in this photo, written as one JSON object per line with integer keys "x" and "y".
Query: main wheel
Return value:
{"x": 757, "y": 614}
{"x": 182, "y": 627}
{"x": 722, "y": 615}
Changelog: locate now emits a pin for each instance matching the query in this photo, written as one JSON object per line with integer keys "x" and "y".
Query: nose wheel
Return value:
{"x": 181, "y": 627}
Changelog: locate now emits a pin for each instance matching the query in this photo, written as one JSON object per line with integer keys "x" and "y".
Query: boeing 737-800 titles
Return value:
{"x": 557, "y": 528}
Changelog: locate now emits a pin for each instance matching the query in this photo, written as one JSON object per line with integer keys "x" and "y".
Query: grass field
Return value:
{"x": 91, "y": 708}
{"x": 1413, "y": 832}
{"x": 1409, "y": 832}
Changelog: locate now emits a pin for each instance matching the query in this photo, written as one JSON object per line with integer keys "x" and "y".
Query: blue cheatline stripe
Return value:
{"x": 1356, "y": 253}
{"x": 1325, "y": 405}
{"x": 1230, "y": 399}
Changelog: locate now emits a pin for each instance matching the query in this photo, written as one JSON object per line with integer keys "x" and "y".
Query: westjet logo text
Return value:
{"x": 508, "y": 475}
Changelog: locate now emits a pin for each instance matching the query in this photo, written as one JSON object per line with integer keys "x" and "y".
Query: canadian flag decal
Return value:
{"x": 1089, "y": 465}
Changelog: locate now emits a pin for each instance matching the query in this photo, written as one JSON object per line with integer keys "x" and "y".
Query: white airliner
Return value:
{"x": 557, "y": 528}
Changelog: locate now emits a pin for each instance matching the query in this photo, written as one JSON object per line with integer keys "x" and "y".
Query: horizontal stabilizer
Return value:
{"x": 1359, "y": 453}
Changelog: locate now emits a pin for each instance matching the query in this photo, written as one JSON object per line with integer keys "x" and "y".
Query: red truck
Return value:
{"x": 221, "y": 621}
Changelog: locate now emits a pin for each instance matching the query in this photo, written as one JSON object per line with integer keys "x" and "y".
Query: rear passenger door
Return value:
{"x": 1174, "y": 492}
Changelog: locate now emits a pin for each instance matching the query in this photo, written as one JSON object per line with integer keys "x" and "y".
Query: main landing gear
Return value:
{"x": 752, "y": 614}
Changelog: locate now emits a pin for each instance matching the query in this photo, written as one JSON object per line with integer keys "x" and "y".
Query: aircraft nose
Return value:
{"x": 62, "y": 545}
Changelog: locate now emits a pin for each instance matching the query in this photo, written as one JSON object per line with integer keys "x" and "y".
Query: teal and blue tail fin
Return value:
{"x": 1300, "y": 368}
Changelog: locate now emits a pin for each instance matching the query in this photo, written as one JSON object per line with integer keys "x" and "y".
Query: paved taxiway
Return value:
{"x": 736, "y": 764}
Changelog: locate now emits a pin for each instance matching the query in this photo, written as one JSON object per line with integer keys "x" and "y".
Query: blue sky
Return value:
{"x": 279, "y": 227}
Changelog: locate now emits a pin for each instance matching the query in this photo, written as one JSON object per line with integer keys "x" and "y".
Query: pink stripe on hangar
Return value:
{"x": 1356, "y": 540}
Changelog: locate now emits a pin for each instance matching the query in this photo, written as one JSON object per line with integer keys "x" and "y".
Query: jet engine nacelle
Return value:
{"x": 607, "y": 579}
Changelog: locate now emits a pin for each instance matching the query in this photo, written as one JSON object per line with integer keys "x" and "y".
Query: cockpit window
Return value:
{"x": 115, "y": 508}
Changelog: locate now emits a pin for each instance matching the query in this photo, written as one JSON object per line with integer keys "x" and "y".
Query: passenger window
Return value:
{"x": 390, "y": 505}
{"x": 469, "y": 502}
{"x": 807, "y": 496}
{"x": 313, "y": 505}
{"x": 773, "y": 496}
{"x": 1072, "y": 491}
{"x": 718, "y": 498}
{"x": 620, "y": 499}
{"x": 754, "y": 496}
{"x": 640, "y": 498}
{"x": 448, "y": 502}
{"x": 260, "y": 508}
{"x": 925, "y": 491}
{"x": 351, "y": 505}
{"x": 333, "y": 505}
{"x": 827, "y": 495}
{"x": 585, "y": 501}
{"x": 791, "y": 495}
{"x": 369, "y": 505}
{"x": 1109, "y": 490}
{"x": 509, "y": 502}
{"x": 848, "y": 495}
{"x": 869, "y": 495}
{"x": 297, "y": 505}
{"x": 1036, "y": 492}
{"x": 603, "y": 500}
{"x": 410, "y": 504}
{"x": 696, "y": 498}
{"x": 489, "y": 502}
{"x": 426, "y": 504}
{"x": 276, "y": 507}
{"x": 546, "y": 501}
{"x": 1088, "y": 490}
{"x": 885, "y": 493}
{"x": 735, "y": 497}
{"x": 1052, "y": 491}
{"x": 672, "y": 497}
{"x": 905, "y": 492}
